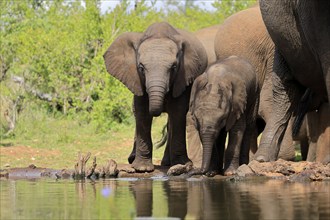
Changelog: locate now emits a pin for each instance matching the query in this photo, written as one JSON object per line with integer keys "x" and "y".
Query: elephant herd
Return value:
{"x": 265, "y": 69}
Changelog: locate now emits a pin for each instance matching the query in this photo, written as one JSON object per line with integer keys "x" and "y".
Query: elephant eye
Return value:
{"x": 141, "y": 68}
{"x": 173, "y": 67}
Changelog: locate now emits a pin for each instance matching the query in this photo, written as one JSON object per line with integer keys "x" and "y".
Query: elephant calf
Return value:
{"x": 158, "y": 67}
{"x": 223, "y": 99}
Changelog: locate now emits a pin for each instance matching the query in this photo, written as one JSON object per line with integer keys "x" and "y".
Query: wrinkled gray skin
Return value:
{"x": 254, "y": 44}
{"x": 301, "y": 33}
{"x": 224, "y": 99}
{"x": 158, "y": 67}
{"x": 315, "y": 131}
{"x": 206, "y": 36}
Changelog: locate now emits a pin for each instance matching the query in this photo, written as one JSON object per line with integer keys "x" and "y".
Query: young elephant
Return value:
{"x": 223, "y": 99}
{"x": 158, "y": 67}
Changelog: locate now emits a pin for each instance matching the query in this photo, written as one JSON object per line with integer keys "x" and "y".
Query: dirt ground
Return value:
{"x": 280, "y": 169}
{"x": 26, "y": 155}
{"x": 27, "y": 151}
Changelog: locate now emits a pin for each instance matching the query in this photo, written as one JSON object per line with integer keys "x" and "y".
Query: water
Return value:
{"x": 164, "y": 198}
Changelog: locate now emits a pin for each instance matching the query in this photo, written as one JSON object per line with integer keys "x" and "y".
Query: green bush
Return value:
{"x": 56, "y": 47}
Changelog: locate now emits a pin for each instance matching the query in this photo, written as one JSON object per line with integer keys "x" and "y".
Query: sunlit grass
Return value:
{"x": 55, "y": 142}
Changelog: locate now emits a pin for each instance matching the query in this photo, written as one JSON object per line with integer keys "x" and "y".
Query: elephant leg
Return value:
{"x": 323, "y": 139}
{"x": 195, "y": 150}
{"x": 287, "y": 149}
{"x": 311, "y": 156}
{"x": 143, "y": 153}
{"x": 249, "y": 140}
{"x": 177, "y": 111}
{"x": 232, "y": 154}
{"x": 216, "y": 165}
{"x": 131, "y": 157}
{"x": 304, "y": 145}
{"x": 285, "y": 96}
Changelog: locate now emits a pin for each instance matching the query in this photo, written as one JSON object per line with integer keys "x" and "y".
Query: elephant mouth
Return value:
{"x": 155, "y": 112}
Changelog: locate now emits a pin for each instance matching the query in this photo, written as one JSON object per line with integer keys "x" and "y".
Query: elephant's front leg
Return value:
{"x": 143, "y": 142}
{"x": 232, "y": 154}
{"x": 177, "y": 130}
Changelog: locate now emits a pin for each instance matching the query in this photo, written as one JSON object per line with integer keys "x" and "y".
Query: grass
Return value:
{"x": 55, "y": 142}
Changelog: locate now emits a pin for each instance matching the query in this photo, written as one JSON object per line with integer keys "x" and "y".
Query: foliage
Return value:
{"x": 56, "y": 50}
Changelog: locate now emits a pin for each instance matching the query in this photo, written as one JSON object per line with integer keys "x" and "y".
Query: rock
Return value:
{"x": 32, "y": 166}
{"x": 110, "y": 169}
{"x": 180, "y": 169}
{"x": 260, "y": 168}
{"x": 273, "y": 175}
{"x": 244, "y": 170}
{"x": 127, "y": 168}
{"x": 316, "y": 177}
{"x": 299, "y": 167}
{"x": 4, "y": 173}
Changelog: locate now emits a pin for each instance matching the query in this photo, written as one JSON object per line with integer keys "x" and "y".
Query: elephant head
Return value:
{"x": 217, "y": 101}
{"x": 160, "y": 60}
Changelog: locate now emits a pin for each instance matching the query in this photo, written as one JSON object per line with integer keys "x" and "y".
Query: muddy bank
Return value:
{"x": 282, "y": 170}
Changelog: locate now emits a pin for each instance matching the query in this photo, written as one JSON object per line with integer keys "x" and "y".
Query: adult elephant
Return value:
{"x": 206, "y": 36}
{"x": 301, "y": 33}
{"x": 158, "y": 67}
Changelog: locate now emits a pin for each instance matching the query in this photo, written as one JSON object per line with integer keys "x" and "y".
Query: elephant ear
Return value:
{"x": 198, "y": 84}
{"x": 120, "y": 61}
{"x": 238, "y": 105}
{"x": 193, "y": 61}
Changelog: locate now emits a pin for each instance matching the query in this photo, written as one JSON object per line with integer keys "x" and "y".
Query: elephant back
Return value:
{"x": 244, "y": 34}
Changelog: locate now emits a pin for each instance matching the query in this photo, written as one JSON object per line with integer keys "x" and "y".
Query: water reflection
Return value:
{"x": 177, "y": 198}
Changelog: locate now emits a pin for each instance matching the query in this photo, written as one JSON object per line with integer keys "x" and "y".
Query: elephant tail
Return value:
{"x": 301, "y": 111}
{"x": 163, "y": 140}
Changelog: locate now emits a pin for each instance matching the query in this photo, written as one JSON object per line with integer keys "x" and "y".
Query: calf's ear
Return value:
{"x": 198, "y": 84}
{"x": 238, "y": 103}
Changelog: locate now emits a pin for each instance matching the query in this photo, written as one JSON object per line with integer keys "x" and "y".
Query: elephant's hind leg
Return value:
{"x": 286, "y": 94}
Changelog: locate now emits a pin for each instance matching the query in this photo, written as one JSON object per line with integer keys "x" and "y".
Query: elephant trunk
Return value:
{"x": 208, "y": 139}
{"x": 156, "y": 92}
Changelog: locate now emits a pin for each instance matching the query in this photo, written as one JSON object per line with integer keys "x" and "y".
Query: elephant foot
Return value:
{"x": 261, "y": 158}
{"x": 326, "y": 160}
{"x": 231, "y": 170}
{"x": 262, "y": 155}
{"x": 180, "y": 169}
{"x": 180, "y": 160}
{"x": 143, "y": 165}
